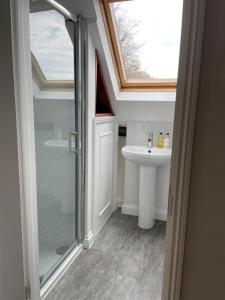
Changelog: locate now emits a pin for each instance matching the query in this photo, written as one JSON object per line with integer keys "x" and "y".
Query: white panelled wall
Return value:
{"x": 103, "y": 170}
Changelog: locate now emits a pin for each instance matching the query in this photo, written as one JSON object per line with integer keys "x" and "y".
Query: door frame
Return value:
{"x": 26, "y": 150}
{"x": 26, "y": 144}
{"x": 183, "y": 135}
{"x": 186, "y": 105}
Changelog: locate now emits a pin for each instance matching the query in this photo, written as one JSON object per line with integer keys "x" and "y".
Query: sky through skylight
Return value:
{"x": 158, "y": 34}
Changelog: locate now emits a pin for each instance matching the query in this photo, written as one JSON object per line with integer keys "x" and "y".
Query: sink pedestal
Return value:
{"x": 146, "y": 183}
{"x": 147, "y": 197}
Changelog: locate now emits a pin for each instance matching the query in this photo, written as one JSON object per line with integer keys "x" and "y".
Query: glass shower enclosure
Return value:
{"x": 55, "y": 42}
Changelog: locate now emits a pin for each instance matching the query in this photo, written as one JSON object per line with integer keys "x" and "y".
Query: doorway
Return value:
{"x": 171, "y": 206}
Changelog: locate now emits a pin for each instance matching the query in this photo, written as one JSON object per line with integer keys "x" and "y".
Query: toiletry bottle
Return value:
{"x": 58, "y": 133}
{"x": 167, "y": 141}
{"x": 160, "y": 140}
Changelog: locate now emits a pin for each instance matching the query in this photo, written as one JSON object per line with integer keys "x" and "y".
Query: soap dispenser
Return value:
{"x": 167, "y": 141}
{"x": 160, "y": 141}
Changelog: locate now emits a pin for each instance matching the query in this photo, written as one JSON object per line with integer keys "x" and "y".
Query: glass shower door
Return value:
{"x": 56, "y": 118}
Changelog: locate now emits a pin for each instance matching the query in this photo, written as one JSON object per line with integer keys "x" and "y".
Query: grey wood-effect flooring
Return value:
{"x": 125, "y": 263}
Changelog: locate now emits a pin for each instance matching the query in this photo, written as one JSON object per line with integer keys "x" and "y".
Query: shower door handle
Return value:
{"x": 73, "y": 142}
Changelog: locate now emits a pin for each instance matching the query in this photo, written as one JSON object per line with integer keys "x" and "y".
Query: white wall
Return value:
{"x": 11, "y": 259}
{"x": 145, "y": 111}
{"x": 138, "y": 131}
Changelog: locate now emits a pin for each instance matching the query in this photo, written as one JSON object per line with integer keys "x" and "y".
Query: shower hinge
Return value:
{"x": 27, "y": 292}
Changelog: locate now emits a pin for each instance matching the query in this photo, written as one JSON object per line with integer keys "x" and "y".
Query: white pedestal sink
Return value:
{"x": 148, "y": 160}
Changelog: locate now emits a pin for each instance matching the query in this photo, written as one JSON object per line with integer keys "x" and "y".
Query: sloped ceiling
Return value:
{"x": 80, "y": 7}
{"x": 77, "y": 7}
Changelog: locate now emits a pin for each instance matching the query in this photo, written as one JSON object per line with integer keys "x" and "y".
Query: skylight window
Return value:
{"x": 145, "y": 41}
{"x": 51, "y": 45}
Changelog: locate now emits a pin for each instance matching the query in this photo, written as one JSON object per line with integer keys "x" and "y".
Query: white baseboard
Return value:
{"x": 102, "y": 225}
{"x": 161, "y": 214}
{"x": 119, "y": 202}
{"x": 130, "y": 209}
{"x": 88, "y": 240}
{"x": 60, "y": 271}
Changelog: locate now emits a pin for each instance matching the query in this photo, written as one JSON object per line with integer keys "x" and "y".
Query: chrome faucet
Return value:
{"x": 150, "y": 140}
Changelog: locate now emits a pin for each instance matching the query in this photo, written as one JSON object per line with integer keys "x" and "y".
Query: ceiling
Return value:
{"x": 85, "y": 8}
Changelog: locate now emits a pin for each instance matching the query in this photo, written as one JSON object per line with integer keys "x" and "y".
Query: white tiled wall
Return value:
{"x": 138, "y": 131}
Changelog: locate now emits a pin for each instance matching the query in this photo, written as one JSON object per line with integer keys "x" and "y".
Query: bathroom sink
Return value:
{"x": 57, "y": 143}
{"x": 60, "y": 144}
{"x": 147, "y": 156}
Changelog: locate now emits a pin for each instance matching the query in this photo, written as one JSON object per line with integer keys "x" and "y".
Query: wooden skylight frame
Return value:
{"x": 128, "y": 84}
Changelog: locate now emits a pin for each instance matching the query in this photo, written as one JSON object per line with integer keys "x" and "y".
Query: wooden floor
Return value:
{"x": 125, "y": 263}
